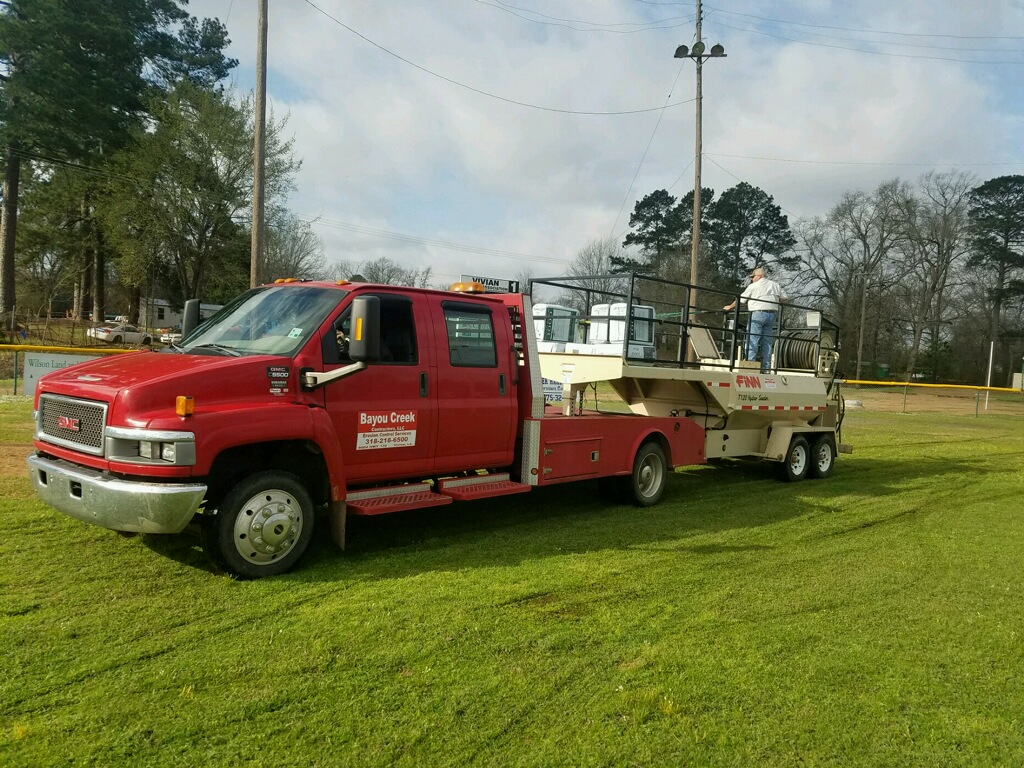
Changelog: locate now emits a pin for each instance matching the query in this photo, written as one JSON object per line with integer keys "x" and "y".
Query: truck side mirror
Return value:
{"x": 190, "y": 318}
{"x": 364, "y": 340}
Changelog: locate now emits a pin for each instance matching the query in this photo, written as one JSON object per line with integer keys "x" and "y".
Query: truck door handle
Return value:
{"x": 501, "y": 384}
{"x": 424, "y": 391}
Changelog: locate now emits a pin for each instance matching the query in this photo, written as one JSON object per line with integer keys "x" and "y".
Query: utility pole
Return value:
{"x": 697, "y": 53}
{"x": 259, "y": 165}
{"x": 695, "y": 244}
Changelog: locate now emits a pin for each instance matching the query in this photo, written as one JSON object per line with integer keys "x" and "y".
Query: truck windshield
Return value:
{"x": 271, "y": 320}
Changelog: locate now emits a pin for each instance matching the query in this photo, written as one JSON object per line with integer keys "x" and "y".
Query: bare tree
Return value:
{"x": 387, "y": 272}
{"x": 591, "y": 270}
{"x": 293, "y": 249}
{"x": 936, "y": 226}
{"x": 851, "y": 258}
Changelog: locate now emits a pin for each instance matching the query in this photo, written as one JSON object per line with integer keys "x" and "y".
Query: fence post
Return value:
{"x": 906, "y": 386}
{"x": 15, "y": 372}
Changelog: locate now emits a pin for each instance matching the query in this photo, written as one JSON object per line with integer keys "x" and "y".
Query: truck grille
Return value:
{"x": 72, "y": 423}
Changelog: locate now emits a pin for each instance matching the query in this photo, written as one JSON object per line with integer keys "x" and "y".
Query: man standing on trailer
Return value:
{"x": 763, "y": 298}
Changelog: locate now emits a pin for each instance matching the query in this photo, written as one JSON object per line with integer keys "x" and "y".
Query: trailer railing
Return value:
{"x": 669, "y": 323}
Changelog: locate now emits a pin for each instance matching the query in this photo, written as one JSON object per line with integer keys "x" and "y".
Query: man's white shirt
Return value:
{"x": 762, "y": 295}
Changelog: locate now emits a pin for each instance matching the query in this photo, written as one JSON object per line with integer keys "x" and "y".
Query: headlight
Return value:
{"x": 150, "y": 446}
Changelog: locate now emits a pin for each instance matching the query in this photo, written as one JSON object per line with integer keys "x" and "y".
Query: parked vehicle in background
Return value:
{"x": 170, "y": 335}
{"x": 121, "y": 333}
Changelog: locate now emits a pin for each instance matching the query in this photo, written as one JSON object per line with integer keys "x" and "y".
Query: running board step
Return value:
{"x": 395, "y": 498}
{"x": 480, "y": 487}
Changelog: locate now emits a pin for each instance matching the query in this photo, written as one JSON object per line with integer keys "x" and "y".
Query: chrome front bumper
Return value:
{"x": 117, "y": 504}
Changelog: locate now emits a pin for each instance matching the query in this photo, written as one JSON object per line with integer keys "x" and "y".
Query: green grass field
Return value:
{"x": 876, "y": 618}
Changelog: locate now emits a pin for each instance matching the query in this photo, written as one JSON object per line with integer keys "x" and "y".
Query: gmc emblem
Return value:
{"x": 66, "y": 422}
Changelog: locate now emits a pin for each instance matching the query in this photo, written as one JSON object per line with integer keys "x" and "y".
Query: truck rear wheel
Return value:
{"x": 823, "y": 456}
{"x": 647, "y": 483}
{"x": 798, "y": 460}
{"x": 263, "y": 526}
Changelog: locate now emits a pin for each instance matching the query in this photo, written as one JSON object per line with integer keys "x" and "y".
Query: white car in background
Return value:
{"x": 120, "y": 333}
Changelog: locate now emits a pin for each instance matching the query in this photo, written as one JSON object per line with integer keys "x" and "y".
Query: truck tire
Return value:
{"x": 823, "y": 456}
{"x": 263, "y": 526}
{"x": 798, "y": 460}
{"x": 650, "y": 470}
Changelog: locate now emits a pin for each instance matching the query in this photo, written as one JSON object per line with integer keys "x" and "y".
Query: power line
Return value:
{"x": 887, "y": 54}
{"x": 592, "y": 26}
{"x": 853, "y": 29}
{"x": 858, "y": 162}
{"x": 744, "y": 181}
{"x": 477, "y": 90}
{"x": 646, "y": 150}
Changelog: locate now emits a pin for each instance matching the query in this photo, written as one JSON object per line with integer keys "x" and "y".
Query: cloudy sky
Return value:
{"x": 498, "y": 137}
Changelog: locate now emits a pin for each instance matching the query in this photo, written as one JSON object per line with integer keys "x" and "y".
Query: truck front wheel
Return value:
{"x": 263, "y": 526}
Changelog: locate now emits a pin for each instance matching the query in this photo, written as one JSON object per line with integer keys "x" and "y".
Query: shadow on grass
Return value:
{"x": 574, "y": 518}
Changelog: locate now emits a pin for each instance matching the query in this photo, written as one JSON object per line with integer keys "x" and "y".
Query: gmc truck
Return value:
{"x": 302, "y": 402}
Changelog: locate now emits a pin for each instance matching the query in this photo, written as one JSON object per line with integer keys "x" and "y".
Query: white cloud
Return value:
{"x": 389, "y": 147}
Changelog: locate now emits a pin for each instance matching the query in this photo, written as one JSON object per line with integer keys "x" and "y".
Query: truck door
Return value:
{"x": 475, "y": 399}
{"x": 386, "y": 415}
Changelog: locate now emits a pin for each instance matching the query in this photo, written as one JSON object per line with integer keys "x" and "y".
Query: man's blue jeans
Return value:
{"x": 759, "y": 336}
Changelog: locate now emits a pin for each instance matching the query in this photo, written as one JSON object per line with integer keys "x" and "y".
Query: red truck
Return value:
{"x": 301, "y": 398}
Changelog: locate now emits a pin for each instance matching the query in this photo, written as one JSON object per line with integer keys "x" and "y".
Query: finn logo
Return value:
{"x": 66, "y": 422}
{"x": 751, "y": 382}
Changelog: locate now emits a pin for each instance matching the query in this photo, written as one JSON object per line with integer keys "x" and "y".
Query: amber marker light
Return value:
{"x": 184, "y": 405}
{"x": 467, "y": 287}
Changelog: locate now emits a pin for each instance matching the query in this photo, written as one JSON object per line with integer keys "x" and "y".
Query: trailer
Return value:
{"x": 301, "y": 403}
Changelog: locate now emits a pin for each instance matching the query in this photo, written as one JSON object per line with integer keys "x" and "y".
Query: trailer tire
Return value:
{"x": 650, "y": 470}
{"x": 823, "y": 456}
{"x": 263, "y": 526}
{"x": 798, "y": 460}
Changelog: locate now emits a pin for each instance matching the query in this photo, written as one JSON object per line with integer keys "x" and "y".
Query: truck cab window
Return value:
{"x": 397, "y": 333}
{"x": 470, "y": 336}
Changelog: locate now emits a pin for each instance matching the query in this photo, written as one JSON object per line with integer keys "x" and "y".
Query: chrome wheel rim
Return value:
{"x": 649, "y": 476}
{"x": 267, "y": 526}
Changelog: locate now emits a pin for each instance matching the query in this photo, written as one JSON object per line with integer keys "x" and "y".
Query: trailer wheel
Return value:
{"x": 823, "y": 456}
{"x": 647, "y": 483}
{"x": 263, "y": 526}
{"x": 798, "y": 460}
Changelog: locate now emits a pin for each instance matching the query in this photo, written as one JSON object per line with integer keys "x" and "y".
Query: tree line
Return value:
{"x": 925, "y": 278}
{"x": 127, "y": 172}
{"x": 128, "y": 162}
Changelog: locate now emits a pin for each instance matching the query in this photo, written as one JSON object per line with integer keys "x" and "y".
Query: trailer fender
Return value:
{"x": 781, "y": 435}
